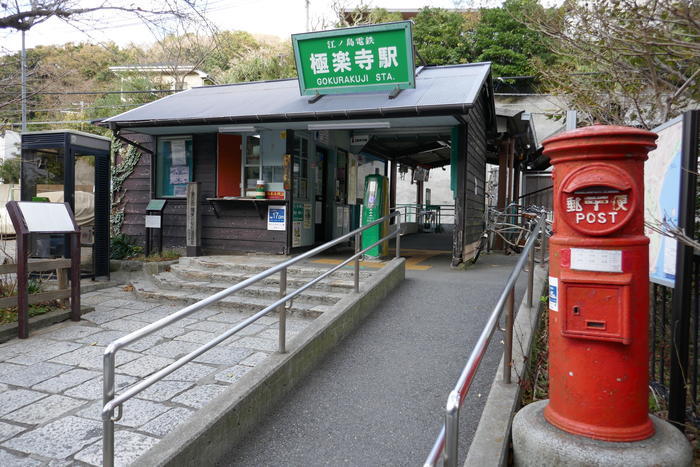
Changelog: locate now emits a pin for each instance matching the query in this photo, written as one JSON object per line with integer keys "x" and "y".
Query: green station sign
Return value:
{"x": 358, "y": 59}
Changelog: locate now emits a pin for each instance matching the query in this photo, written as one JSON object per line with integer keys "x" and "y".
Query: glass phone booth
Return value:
{"x": 74, "y": 167}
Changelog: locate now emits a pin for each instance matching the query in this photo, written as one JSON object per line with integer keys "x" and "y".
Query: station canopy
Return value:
{"x": 412, "y": 128}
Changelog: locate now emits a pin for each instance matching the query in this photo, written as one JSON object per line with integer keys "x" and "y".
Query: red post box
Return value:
{"x": 599, "y": 284}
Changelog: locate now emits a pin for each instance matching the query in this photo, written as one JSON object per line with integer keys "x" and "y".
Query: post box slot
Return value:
{"x": 597, "y": 189}
{"x": 595, "y": 324}
{"x": 596, "y": 310}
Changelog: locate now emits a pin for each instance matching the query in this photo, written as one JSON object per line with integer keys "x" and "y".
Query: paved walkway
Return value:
{"x": 376, "y": 400}
{"x": 51, "y": 383}
{"x": 379, "y": 398}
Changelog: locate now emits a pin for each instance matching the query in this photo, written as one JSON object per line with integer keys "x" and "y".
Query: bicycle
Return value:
{"x": 512, "y": 235}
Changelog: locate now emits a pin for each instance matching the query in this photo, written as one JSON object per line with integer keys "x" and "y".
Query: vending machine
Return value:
{"x": 375, "y": 206}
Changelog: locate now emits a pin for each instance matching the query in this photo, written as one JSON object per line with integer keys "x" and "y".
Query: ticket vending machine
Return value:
{"x": 375, "y": 206}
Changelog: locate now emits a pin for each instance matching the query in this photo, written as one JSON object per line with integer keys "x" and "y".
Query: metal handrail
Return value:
{"x": 446, "y": 444}
{"x": 112, "y": 402}
{"x": 413, "y": 211}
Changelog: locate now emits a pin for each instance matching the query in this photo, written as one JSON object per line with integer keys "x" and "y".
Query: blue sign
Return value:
{"x": 554, "y": 293}
{"x": 276, "y": 218}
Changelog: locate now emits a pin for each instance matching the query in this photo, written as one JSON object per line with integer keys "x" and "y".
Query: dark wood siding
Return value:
{"x": 475, "y": 172}
{"x": 137, "y": 189}
{"x": 240, "y": 225}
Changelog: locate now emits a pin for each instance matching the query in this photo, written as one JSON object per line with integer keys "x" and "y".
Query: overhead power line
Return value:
{"x": 94, "y": 93}
{"x": 76, "y": 109}
{"x": 65, "y": 122}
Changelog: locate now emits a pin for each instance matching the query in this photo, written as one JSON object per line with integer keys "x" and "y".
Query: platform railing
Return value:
{"x": 413, "y": 212}
{"x": 447, "y": 443}
{"x": 113, "y": 403}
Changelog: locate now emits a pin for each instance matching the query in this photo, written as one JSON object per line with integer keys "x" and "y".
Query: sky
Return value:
{"x": 274, "y": 17}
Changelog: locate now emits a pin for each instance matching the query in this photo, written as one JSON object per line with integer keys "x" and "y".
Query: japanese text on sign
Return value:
{"x": 369, "y": 58}
{"x": 597, "y": 208}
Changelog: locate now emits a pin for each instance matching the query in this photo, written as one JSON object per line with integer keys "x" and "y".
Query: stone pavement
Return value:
{"x": 51, "y": 383}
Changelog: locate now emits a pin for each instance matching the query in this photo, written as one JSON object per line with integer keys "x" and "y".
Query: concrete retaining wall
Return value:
{"x": 218, "y": 426}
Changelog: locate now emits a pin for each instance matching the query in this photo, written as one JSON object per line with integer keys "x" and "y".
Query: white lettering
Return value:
{"x": 596, "y": 201}
{"x": 319, "y": 63}
{"x": 341, "y": 61}
{"x": 596, "y": 217}
{"x": 364, "y": 59}
{"x": 620, "y": 203}
{"x": 573, "y": 204}
{"x": 335, "y": 80}
{"x": 387, "y": 57}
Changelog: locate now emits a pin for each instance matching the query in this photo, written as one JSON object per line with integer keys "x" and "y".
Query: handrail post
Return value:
{"x": 543, "y": 247}
{"x": 107, "y": 419}
{"x": 531, "y": 275}
{"x": 508, "y": 352}
{"x": 398, "y": 235}
{"x": 451, "y": 430}
{"x": 358, "y": 248}
{"x": 281, "y": 309}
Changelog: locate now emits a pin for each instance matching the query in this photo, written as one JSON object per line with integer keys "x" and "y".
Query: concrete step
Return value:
{"x": 252, "y": 265}
{"x": 234, "y": 302}
{"x": 171, "y": 281}
{"x": 196, "y": 273}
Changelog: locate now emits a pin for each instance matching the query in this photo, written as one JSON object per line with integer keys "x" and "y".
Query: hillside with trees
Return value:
{"x": 622, "y": 61}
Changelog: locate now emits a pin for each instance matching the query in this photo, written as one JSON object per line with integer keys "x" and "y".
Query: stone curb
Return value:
{"x": 491, "y": 441}
{"x": 9, "y": 331}
{"x": 218, "y": 426}
{"x": 148, "y": 267}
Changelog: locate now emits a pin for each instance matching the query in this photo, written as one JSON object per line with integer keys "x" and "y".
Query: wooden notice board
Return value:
{"x": 47, "y": 218}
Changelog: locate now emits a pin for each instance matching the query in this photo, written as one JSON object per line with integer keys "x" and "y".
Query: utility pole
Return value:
{"x": 24, "y": 84}
{"x": 307, "y": 16}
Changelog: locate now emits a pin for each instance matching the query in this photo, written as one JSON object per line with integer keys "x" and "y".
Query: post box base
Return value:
{"x": 536, "y": 442}
{"x": 630, "y": 433}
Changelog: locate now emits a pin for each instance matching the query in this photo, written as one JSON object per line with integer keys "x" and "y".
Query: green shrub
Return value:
{"x": 124, "y": 247}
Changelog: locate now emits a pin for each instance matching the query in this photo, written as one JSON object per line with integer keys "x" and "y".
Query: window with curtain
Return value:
{"x": 173, "y": 166}
{"x": 259, "y": 166}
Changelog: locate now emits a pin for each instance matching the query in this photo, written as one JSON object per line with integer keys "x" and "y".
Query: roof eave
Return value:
{"x": 413, "y": 111}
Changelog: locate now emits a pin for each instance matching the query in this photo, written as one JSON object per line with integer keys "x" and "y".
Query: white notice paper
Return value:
{"x": 152, "y": 222}
{"x": 179, "y": 174}
{"x": 586, "y": 259}
{"x": 177, "y": 152}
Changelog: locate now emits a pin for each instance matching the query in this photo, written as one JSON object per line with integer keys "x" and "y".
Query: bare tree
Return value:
{"x": 624, "y": 61}
{"x": 182, "y": 47}
{"x": 22, "y": 15}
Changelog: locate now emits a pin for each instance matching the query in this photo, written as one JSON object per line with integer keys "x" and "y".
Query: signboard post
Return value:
{"x": 194, "y": 224}
{"x": 358, "y": 59}
{"x": 46, "y": 218}
{"x": 154, "y": 220}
